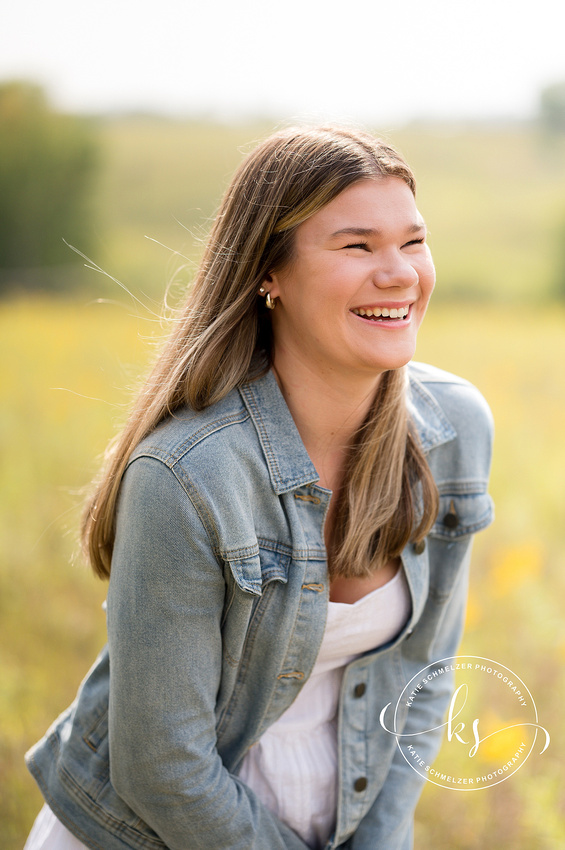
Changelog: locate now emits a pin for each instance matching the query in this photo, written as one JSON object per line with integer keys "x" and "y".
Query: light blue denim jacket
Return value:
{"x": 216, "y": 609}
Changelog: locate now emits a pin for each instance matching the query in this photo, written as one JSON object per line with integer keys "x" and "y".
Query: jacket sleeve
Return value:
{"x": 165, "y": 604}
{"x": 389, "y": 823}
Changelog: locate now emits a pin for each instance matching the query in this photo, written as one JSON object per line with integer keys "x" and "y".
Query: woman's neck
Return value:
{"x": 327, "y": 409}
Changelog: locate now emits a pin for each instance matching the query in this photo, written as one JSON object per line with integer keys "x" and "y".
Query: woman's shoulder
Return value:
{"x": 453, "y": 420}
{"x": 425, "y": 373}
{"x": 211, "y": 452}
{"x": 456, "y": 397}
{"x": 185, "y": 429}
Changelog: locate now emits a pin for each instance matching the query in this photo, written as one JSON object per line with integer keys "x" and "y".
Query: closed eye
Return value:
{"x": 414, "y": 242}
{"x": 363, "y": 245}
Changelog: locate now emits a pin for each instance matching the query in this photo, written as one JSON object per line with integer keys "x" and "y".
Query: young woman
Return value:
{"x": 286, "y": 523}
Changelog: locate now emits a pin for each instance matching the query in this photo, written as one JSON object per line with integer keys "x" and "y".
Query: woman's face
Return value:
{"x": 351, "y": 300}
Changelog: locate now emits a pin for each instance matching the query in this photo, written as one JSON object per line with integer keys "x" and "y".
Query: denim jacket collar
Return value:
{"x": 432, "y": 425}
{"x": 288, "y": 461}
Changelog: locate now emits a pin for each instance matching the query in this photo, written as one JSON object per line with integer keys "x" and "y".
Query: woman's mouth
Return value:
{"x": 375, "y": 313}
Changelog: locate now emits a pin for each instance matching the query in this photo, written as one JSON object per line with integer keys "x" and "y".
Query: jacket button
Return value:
{"x": 360, "y": 784}
{"x": 451, "y": 520}
{"x": 359, "y": 690}
{"x": 419, "y": 547}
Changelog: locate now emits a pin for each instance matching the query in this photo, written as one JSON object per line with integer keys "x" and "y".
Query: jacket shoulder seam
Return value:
{"x": 172, "y": 456}
{"x": 191, "y": 492}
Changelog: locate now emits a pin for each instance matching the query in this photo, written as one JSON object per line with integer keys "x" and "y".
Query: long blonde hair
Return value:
{"x": 222, "y": 337}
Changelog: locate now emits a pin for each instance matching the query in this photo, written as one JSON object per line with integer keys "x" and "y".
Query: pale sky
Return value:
{"x": 359, "y": 60}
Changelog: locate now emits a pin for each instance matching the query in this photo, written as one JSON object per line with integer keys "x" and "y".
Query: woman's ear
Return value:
{"x": 271, "y": 284}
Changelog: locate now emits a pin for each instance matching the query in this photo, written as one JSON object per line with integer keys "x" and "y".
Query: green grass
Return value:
{"x": 62, "y": 399}
{"x": 63, "y": 359}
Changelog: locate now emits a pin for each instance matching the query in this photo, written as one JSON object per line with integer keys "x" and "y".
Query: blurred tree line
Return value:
{"x": 55, "y": 185}
{"x": 552, "y": 107}
{"x": 552, "y": 117}
{"x": 47, "y": 164}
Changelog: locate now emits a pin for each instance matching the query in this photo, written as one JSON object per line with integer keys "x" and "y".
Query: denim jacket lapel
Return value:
{"x": 288, "y": 461}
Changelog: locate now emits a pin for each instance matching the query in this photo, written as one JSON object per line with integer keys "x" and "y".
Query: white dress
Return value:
{"x": 293, "y": 767}
{"x": 48, "y": 833}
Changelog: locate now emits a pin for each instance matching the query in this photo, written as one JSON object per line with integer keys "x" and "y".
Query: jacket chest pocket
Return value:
{"x": 249, "y": 581}
{"x": 256, "y": 568}
{"x": 461, "y": 515}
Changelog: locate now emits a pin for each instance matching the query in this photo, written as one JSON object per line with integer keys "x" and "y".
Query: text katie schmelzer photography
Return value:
{"x": 490, "y": 730}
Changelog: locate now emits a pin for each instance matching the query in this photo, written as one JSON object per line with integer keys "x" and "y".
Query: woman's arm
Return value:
{"x": 165, "y": 602}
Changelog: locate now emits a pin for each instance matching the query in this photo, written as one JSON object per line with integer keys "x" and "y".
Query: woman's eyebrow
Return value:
{"x": 357, "y": 231}
{"x": 371, "y": 231}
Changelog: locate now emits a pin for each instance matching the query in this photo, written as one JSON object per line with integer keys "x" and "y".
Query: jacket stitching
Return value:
{"x": 172, "y": 458}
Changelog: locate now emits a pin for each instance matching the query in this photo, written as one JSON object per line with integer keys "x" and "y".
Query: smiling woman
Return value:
{"x": 340, "y": 301}
{"x": 269, "y": 523}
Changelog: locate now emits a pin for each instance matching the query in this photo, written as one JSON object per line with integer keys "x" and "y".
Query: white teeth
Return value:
{"x": 377, "y": 312}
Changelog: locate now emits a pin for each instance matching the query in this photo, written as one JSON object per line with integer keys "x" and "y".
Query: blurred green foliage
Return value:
{"x": 47, "y": 163}
{"x": 493, "y": 197}
{"x": 552, "y": 107}
{"x": 559, "y": 274}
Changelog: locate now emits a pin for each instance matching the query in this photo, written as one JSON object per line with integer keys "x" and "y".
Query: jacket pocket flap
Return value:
{"x": 253, "y": 572}
{"x": 461, "y": 515}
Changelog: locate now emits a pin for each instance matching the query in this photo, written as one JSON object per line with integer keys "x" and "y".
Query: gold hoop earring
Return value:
{"x": 269, "y": 302}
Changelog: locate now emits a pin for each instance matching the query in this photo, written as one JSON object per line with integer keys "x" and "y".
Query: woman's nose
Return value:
{"x": 395, "y": 271}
